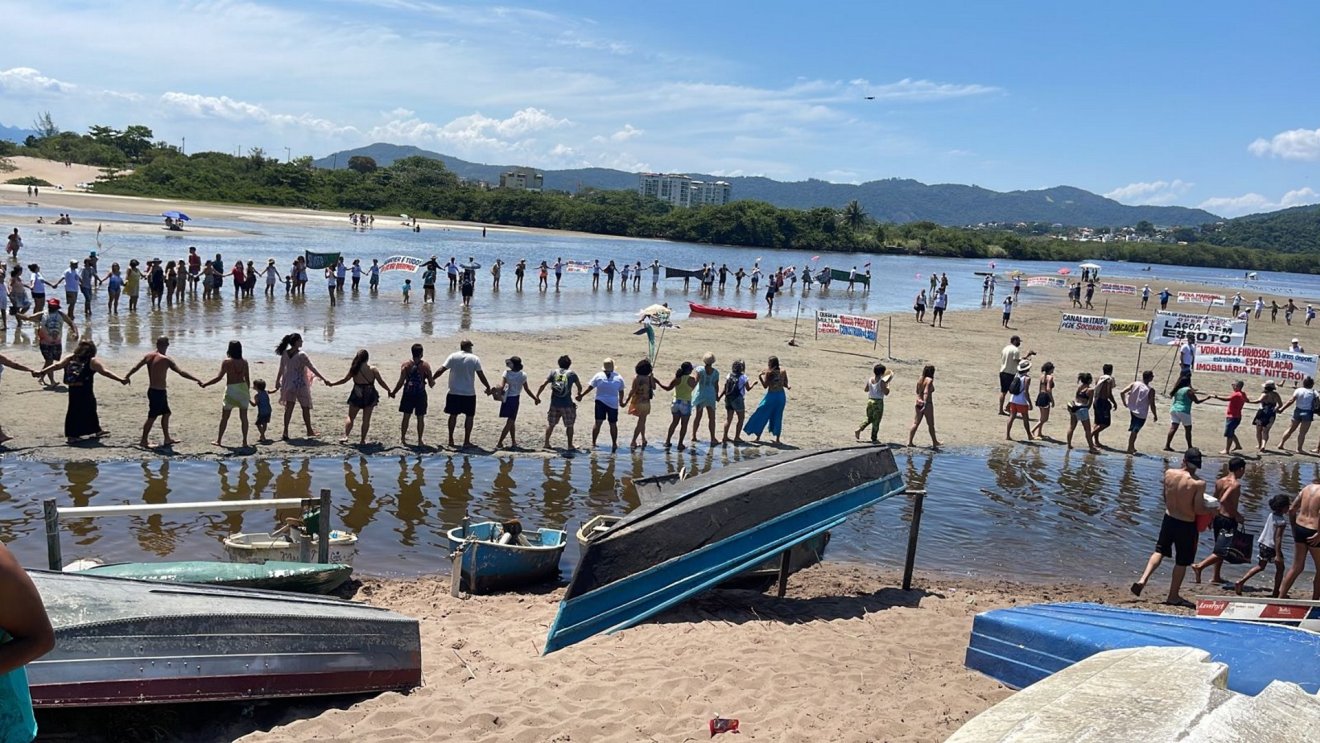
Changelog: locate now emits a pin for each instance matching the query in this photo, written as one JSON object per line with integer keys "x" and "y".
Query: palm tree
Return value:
{"x": 854, "y": 215}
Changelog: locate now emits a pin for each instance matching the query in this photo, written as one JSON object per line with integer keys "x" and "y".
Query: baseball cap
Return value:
{"x": 53, "y": 303}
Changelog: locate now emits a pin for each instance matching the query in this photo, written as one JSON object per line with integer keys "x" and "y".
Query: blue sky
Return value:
{"x": 1210, "y": 104}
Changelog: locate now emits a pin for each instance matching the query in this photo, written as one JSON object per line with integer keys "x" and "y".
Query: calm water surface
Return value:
{"x": 200, "y": 329}
{"x": 1035, "y": 514}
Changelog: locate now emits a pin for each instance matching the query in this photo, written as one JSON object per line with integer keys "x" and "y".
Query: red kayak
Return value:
{"x": 705, "y": 309}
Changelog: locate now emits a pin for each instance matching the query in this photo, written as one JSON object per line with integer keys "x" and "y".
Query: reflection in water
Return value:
{"x": 1029, "y": 512}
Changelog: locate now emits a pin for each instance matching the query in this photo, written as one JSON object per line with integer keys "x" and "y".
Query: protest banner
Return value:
{"x": 401, "y": 263}
{"x": 1083, "y": 323}
{"x": 318, "y": 261}
{"x": 1259, "y": 363}
{"x": 1108, "y": 288}
{"x": 1171, "y": 327}
{"x": 831, "y": 323}
{"x": 1200, "y": 298}
{"x": 1057, "y": 281}
{"x": 1129, "y": 328}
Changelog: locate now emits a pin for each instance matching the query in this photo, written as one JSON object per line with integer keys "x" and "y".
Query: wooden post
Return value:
{"x": 914, "y": 530}
{"x": 323, "y": 537}
{"x": 785, "y": 560}
{"x": 52, "y": 513}
{"x": 1137, "y": 374}
{"x": 889, "y": 341}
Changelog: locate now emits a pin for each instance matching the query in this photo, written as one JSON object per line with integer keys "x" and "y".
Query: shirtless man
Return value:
{"x": 1103, "y": 403}
{"x": 1183, "y": 500}
{"x": 1228, "y": 489}
{"x": 1305, "y": 517}
{"x": 158, "y": 368}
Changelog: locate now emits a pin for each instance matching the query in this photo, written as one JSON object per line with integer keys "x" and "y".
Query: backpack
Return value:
{"x": 559, "y": 383}
{"x": 1015, "y": 387}
{"x": 733, "y": 386}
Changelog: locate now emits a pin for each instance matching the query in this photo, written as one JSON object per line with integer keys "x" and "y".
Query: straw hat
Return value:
{"x": 1024, "y": 366}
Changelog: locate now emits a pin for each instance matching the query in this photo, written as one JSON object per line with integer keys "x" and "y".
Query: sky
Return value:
{"x": 1211, "y": 104}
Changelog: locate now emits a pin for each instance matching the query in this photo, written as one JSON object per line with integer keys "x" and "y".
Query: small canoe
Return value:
{"x": 274, "y": 575}
{"x": 705, "y": 309}
{"x": 761, "y": 577}
{"x": 264, "y": 547}
{"x": 490, "y": 563}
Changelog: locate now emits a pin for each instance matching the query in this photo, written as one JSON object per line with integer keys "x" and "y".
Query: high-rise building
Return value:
{"x": 523, "y": 179}
{"x": 682, "y": 191}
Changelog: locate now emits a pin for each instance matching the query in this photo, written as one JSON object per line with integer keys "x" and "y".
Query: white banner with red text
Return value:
{"x": 1259, "y": 363}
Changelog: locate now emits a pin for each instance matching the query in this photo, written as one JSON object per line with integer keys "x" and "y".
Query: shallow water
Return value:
{"x": 201, "y": 329}
{"x": 1030, "y": 513}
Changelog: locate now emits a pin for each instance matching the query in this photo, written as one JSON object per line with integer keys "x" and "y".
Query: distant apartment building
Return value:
{"x": 522, "y": 179}
{"x": 682, "y": 191}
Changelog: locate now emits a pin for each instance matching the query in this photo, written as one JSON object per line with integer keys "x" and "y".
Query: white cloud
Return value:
{"x": 228, "y": 109}
{"x": 1252, "y": 203}
{"x": 1294, "y": 144}
{"x": 1150, "y": 192}
{"x": 908, "y": 89}
{"x": 474, "y": 134}
{"x": 25, "y": 80}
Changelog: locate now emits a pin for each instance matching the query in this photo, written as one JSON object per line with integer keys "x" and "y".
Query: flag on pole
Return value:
{"x": 317, "y": 261}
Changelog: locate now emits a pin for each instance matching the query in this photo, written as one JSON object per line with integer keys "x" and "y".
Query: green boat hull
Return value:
{"x": 297, "y": 577}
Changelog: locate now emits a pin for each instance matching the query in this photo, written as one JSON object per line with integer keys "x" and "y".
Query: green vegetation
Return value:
{"x": 1295, "y": 230}
{"x": 29, "y": 181}
{"x": 422, "y": 186}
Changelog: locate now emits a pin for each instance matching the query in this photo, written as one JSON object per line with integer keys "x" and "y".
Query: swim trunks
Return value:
{"x": 606, "y": 413}
{"x": 568, "y": 414}
{"x": 1136, "y": 423}
{"x": 1005, "y": 380}
{"x": 1180, "y": 535}
{"x": 1231, "y": 426}
{"x": 1018, "y": 408}
{"x": 460, "y": 404}
{"x": 157, "y": 403}
{"x": 1102, "y": 409}
{"x": 236, "y": 396}
{"x": 51, "y": 352}
{"x": 1302, "y": 534}
{"x": 413, "y": 403}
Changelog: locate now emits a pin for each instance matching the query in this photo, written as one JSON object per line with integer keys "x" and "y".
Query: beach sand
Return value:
{"x": 826, "y": 403}
{"x": 846, "y": 656}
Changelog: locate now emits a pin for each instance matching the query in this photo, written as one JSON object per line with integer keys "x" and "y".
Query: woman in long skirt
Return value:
{"x": 81, "y": 367}
{"x": 770, "y": 411}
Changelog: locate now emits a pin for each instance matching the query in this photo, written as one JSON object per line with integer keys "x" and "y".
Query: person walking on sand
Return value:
{"x": 238, "y": 378}
{"x": 80, "y": 370}
{"x": 1303, "y": 402}
{"x": 609, "y": 388}
{"x": 50, "y": 330}
{"x": 1228, "y": 520}
{"x": 512, "y": 384}
{"x": 1184, "y": 500}
{"x": 1045, "y": 397}
{"x": 706, "y": 396}
{"x": 639, "y": 397}
{"x": 918, "y": 304}
{"x": 1269, "y": 546}
{"x": 363, "y": 398}
{"x": 294, "y": 381}
{"x": 770, "y": 411}
{"x": 1180, "y": 412}
{"x": 414, "y": 377}
{"x": 938, "y": 307}
{"x": 1079, "y": 411}
{"x": 159, "y": 365}
{"x": 876, "y": 388}
{"x": 1009, "y": 358}
{"x": 1237, "y": 399}
{"x": 462, "y": 396}
{"x": 1019, "y": 402}
{"x": 1269, "y": 402}
{"x": 1304, "y": 514}
{"x": 682, "y": 385}
{"x": 734, "y": 395}
{"x": 1008, "y": 310}
{"x": 925, "y": 406}
{"x": 1139, "y": 398}
{"x": 1102, "y": 403}
{"x": 561, "y": 381}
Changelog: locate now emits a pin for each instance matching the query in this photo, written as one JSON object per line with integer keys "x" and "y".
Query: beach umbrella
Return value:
{"x": 1090, "y": 266}
{"x": 655, "y": 310}
{"x": 1065, "y": 271}
{"x": 180, "y": 216}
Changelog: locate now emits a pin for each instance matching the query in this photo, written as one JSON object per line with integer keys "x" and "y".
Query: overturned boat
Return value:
{"x": 120, "y": 641}
{"x": 691, "y": 534}
{"x": 272, "y": 575}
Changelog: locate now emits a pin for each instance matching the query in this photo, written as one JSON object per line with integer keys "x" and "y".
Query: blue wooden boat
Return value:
{"x": 489, "y": 565}
{"x": 695, "y": 533}
{"x": 272, "y": 575}
{"x": 1023, "y": 645}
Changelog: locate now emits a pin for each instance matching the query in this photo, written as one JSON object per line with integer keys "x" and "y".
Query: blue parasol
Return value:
{"x": 180, "y": 216}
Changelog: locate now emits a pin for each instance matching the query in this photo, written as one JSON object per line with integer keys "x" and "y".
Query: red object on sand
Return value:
{"x": 720, "y": 725}
{"x": 705, "y": 309}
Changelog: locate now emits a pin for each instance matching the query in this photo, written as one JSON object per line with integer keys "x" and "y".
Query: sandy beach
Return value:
{"x": 846, "y": 657}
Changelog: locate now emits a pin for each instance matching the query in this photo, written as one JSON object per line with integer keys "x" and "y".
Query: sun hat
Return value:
{"x": 1024, "y": 366}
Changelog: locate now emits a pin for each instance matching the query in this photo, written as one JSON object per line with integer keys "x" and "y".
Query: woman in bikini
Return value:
{"x": 639, "y": 397}
{"x": 294, "y": 381}
{"x": 1079, "y": 410}
{"x": 364, "y": 396}
{"x": 234, "y": 370}
{"x": 1269, "y": 403}
{"x": 1045, "y": 397}
{"x": 925, "y": 406}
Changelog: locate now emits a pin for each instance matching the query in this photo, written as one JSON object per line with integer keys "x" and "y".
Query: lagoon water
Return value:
{"x": 201, "y": 328}
{"x": 1031, "y": 513}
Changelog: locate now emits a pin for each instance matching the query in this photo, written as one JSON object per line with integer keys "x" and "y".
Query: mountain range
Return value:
{"x": 15, "y": 133}
{"x": 892, "y": 200}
